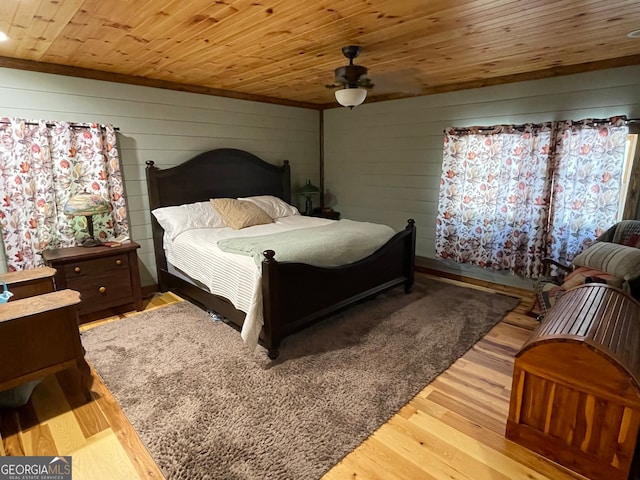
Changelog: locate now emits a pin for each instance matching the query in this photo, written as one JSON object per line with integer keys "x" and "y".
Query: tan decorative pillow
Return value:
{"x": 617, "y": 260}
{"x": 238, "y": 214}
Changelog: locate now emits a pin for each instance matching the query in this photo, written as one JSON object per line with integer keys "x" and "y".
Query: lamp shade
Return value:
{"x": 309, "y": 189}
{"x": 351, "y": 97}
{"x": 86, "y": 204}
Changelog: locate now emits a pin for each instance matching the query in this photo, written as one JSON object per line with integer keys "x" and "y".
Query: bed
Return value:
{"x": 293, "y": 295}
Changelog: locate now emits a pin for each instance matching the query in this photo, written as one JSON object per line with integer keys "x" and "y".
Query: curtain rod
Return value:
{"x": 49, "y": 124}
{"x": 523, "y": 127}
{"x": 486, "y": 129}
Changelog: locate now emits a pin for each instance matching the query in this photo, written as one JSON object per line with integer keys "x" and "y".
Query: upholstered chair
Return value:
{"x": 614, "y": 258}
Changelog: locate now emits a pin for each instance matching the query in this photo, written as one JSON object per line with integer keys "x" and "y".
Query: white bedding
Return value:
{"x": 232, "y": 276}
{"x": 333, "y": 245}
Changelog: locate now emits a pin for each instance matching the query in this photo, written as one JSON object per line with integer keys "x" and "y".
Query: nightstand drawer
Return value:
{"x": 97, "y": 266}
{"x": 106, "y": 290}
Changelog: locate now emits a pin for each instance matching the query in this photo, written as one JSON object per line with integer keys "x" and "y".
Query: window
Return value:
{"x": 511, "y": 195}
{"x": 630, "y": 196}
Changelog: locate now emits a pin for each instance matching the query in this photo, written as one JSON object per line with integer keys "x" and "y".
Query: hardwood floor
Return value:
{"x": 453, "y": 429}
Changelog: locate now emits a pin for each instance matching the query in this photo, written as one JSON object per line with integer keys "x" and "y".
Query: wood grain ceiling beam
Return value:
{"x": 66, "y": 70}
{"x": 70, "y": 71}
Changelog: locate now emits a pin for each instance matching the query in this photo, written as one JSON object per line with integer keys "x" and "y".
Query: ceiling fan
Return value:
{"x": 351, "y": 79}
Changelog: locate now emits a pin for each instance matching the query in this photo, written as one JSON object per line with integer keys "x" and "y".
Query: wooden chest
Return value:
{"x": 575, "y": 396}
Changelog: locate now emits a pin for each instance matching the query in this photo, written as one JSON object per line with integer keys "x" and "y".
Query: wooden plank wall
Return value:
{"x": 383, "y": 160}
{"x": 168, "y": 127}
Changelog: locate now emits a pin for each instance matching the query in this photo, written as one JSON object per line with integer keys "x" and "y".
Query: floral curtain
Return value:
{"x": 510, "y": 196}
{"x": 43, "y": 164}
{"x": 589, "y": 163}
{"x": 493, "y": 191}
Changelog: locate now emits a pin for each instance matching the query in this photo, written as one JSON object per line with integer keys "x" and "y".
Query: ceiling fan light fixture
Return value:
{"x": 351, "y": 97}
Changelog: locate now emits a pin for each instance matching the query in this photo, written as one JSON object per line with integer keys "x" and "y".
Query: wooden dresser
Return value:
{"x": 106, "y": 277}
{"x": 575, "y": 396}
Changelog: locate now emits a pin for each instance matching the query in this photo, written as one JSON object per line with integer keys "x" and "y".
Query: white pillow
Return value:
{"x": 274, "y": 207}
{"x": 177, "y": 219}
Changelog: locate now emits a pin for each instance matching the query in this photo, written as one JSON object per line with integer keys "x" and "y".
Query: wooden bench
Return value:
{"x": 575, "y": 396}
{"x": 28, "y": 283}
{"x": 39, "y": 334}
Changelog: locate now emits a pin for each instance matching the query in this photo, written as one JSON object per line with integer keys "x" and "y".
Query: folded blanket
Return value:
{"x": 332, "y": 245}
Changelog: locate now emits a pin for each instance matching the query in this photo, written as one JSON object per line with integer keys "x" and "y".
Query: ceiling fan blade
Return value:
{"x": 404, "y": 81}
{"x": 365, "y": 82}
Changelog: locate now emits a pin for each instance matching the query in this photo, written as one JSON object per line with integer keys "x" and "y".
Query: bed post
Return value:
{"x": 410, "y": 255}
{"x": 156, "y": 229}
{"x": 271, "y": 330}
{"x": 286, "y": 182}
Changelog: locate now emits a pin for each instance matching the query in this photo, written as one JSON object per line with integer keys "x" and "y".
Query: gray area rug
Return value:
{"x": 206, "y": 408}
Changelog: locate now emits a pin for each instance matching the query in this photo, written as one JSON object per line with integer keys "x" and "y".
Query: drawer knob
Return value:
{"x": 76, "y": 269}
{"x": 118, "y": 262}
{"x": 102, "y": 290}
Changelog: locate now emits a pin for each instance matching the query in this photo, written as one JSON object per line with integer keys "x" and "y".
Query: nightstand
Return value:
{"x": 324, "y": 213}
{"x": 106, "y": 277}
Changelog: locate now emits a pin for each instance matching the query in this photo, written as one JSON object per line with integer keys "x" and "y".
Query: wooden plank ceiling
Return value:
{"x": 285, "y": 51}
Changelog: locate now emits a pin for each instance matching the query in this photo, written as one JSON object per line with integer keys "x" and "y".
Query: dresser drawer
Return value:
{"x": 96, "y": 266}
{"x": 106, "y": 290}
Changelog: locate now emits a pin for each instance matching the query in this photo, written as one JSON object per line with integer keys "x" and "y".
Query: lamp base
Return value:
{"x": 91, "y": 242}
{"x": 308, "y": 207}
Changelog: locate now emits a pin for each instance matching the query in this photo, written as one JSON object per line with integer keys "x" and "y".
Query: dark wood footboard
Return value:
{"x": 296, "y": 295}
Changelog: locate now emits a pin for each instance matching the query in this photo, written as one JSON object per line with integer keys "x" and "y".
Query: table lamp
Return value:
{"x": 87, "y": 204}
{"x": 309, "y": 191}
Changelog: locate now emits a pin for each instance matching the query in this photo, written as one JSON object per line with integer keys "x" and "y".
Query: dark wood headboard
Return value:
{"x": 220, "y": 173}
